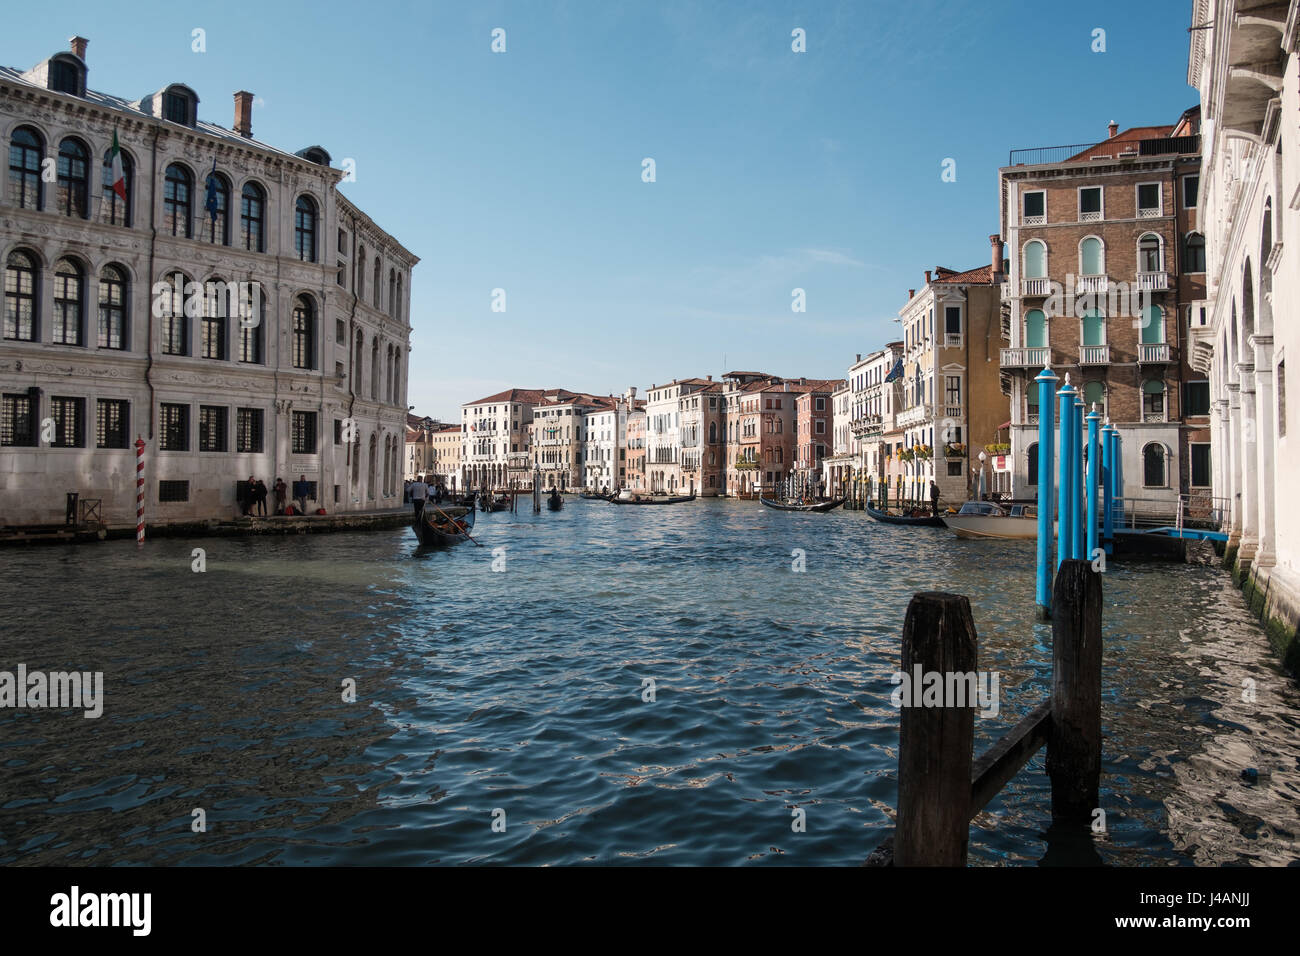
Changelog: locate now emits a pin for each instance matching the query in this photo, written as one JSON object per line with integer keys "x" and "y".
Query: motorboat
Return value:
{"x": 987, "y": 519}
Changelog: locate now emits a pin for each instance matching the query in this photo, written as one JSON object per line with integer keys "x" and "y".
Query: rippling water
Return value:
{"x": 521, "y": 691}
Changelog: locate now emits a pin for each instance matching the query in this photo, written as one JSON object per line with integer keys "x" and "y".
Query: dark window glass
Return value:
{"x": 1197, "y": 398}
{"x": 1035, "y": 204}
{"x": 212, "y": 328}
{"x": 173, "y": 323}
{"x": 173, "y": 491}
{"x": 304, "y": 229}
{"x": 25, "y": 149}
{"x": 67, "y": 303}
{"x": 177, "y": 198}
{"x": 20, "y": 297}
{"x": 304, "y": 333}
{"x": 17, "y": 421}
{"x": 1149, "y": 196}
{"x": 73, "y": 179}
{"x": 1191, "y": 193}
{"x": 114, "y": 209}
{"x": 65, "y": 77}
{"x": 1201, "y": 466}
{"x": 111, "y": 423}
{"x": 176, "y": 108}
{"x": 112, "y": 309}
{"x": 212, "y": 428}
{"x": 1090, "y": 199}
{"x": 952, "y": 320}
{"x": 1194, "y": 253}
{"x": 248, "y": 426}
{"x": 1153, "y": 466}
{"x": 173, "y": 427}
{"x": 69, "y": 416}
{"x": 252, "y": 218}
{"x": 304, "y": 433}
{"x": 216, "y": 229}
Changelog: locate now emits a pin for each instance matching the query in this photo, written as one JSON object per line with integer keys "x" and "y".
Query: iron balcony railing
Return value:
{"x": 1157, "y": 146}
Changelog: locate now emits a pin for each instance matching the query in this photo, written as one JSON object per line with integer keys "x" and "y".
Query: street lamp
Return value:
{"x": 981, "y": 485}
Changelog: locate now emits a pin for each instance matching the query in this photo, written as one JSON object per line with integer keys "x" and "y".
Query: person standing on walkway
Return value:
{"x": 419, "y": 495}
{"x": 301, "y": 489}
{"x": 259, "y": 495}
{"x": 934, "y": 499}
{"x": 281, "y": 489}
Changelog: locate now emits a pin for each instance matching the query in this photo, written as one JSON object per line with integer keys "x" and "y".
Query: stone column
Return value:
{"x": 1233, "y": 445}
{"x": 1249, "y": 427}
{"x": 1265, "y": 441}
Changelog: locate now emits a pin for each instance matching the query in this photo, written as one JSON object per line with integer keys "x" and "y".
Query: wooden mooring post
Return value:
{"x": 940, "y": 787}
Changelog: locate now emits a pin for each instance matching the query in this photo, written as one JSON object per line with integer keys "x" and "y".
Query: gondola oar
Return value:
{"x": 452, "y": 521}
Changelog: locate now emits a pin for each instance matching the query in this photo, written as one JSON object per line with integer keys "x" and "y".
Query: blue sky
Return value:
{"x": 774, "y": 170}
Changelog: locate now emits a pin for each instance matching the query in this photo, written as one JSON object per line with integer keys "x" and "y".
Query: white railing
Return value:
{"x": 1091, "y": 283}
{"x": 952, "y": 340}
{"x": 913, "y": 415}
{"x": 952, "y": 411}
{"x": 1094, "y": 355}
{"x": 1033, "y": 220}
{"x": 1031, "y": 418}
{"x": 1159, "y": 416}
{"x": 1153, "y": 281}
{"x": 1154, "y": 353}
{"x": 1149, "y": 213}
{"x": 1090, "y": 216}
{"x": 1035, "y": 357}
{"x": 1034, "y": 286}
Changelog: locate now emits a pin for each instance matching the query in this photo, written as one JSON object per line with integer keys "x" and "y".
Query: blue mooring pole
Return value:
{"x": 1108, "y": 483}
{"x": 1065, "y": 507}
{"x": 1046, "y": 389}
{"x": 1094, "y": 471}
{"x": 1076, "y": 477}
{"x": 1118, "y": 441}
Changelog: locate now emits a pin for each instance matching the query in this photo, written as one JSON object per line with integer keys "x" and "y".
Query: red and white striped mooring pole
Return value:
{"x": 139, "y": 491}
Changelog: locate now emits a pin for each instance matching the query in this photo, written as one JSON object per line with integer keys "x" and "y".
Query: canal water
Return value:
{"x": 504, "y": 710}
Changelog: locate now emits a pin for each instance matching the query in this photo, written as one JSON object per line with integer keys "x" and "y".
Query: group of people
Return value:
{"x": 252, "y": 495}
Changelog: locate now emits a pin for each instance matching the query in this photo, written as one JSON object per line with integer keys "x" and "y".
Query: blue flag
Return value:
{"x": 210, "y": 204}
{"x": 895, "y": 372}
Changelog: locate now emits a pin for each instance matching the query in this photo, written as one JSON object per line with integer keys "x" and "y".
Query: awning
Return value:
{"x": 1004, "y": 425}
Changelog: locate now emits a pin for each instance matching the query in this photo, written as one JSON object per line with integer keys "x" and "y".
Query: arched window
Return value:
{"x": 115, "y": 206}
{"x": 397, "y": 306}
{"x": 1094, "y": 328}
{"x": 1153, "y": 465}
{"x": 112, "y": 308}
{"x": 1094, "y": 393}
{"x": 74, "y": 179}
{"x": 370, "y": 472}
{"x": 216, "y": 205}
{"x": 374, "y": 368}
{"x": 361, "y": 273}
{"x": 1035, "y": 259}
{"x": 20, "y": 297}
{"x": 713, "y": 433}
{"x": 212, "y": 326}
{"x": 250, "y": 331}
{"x": 1090, "y": 258}
{"x": 392, "y": 292}
{"x": 376, "y": 291}
{"x": 25, "y": 149}
{"x": 354, "y": 449}
{"x": 68, "y": 298}
{"x": 1150, "y": 258}
{"x": 1153, "y": 325}
{"x": 304, "y": 229}
{"x": 178, "y": 197}
{"x": 1153, "y": 401}
{"x": 1035, "y": 329}
{"x": 1033, "y": 464}
{"x": 304, "y": 333}
{"x": 1194, "y": 252}
{"x": 173, "y": 324}
{"x": 252, "y": 218}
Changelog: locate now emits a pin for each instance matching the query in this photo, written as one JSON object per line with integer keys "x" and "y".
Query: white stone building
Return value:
{"x": 604, "y": 452}
{"x": 119, "y": 319}
{"x": 663, "y": 462}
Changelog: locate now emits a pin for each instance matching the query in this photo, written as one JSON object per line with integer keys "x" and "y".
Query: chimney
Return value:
{"x": 858, "y": 359}
{"x": 1113, "y": 128}
{"x": 710, "y": 378}
{"x": 244, "y": 114}
{"x": 78, "y": 46}
{"x": 927, "y": 276}
{"x": 910, "y": 293}
{"x": 995, "y": 242}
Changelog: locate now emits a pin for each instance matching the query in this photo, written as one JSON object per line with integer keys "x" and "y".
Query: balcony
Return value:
{"x": 952, "y": 340}
{"x": 1034, "y": 287}
{"x": 1153, "y": 281}
{"x": 1094, "y": 354}
{"x": 1039, "y": 220}
{"x": 1091, "y": 283}
{"x": 952, "y": 411}
{"x": 914, "y": 416}
{"x": 1023, "y": 358}
{"x": 1149, "y": 212}
{"x": 1153, "y": 354}
{"x": 1159, "y": 146}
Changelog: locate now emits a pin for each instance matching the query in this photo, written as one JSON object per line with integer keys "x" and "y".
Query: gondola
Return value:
{"x": 499, "y": 503}
{"x": 433, "y": 530}
{"x": 927, "y": 521}
{"x": 555, "y": 502}
{"x": 816, "y": 506}
{"x": 651, "y": 500}
{"x": 594, "y": 497}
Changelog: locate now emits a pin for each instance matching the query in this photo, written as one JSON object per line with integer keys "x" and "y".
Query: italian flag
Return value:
{"x": 119, "y": 178}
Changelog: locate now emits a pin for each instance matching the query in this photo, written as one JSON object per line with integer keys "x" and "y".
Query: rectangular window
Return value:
{"x": 1090, "y": 204}
{"x": 173, "y": 491}
{"x": 248, "y": 430}
{"x": 212, "y": 331}
{"x": 304, "y": 433}
{"x": 338, "y": 431}
{"x": 176, "y": 109}
{"x": 1201, "y": 465}
{"x": 1191, "y": 191}
{"x": 173, "y": 427}
{"x": 821, "y": 427}
{"x": 212, "y": 428}
{"x": 343, "y": 241}
{"x": 1035, "y": 209}
{"x": 952, "y": 320}
{"x": 250, "y": 344}
{"x": 1196, "y": 400}
{"x": 17, "y": 421}
{"x": 1148, "y": 200}
{"x": 341, "y": 276}
{"x": 69, "y": 415}
{"x": 171, "y": 331}
{"x": 111, "y": 423}
{"x": 952, "y": 389}
{"x": 821, "y": 404}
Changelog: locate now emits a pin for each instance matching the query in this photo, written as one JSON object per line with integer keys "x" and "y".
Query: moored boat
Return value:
{"x": 819, "y": 506}
{"x": 918, "y": 519}
{"x": 555, "y": 502}
{"x": 438, "y": 526}
{"x": 985, "y": 519}
{"x": 638, "y": 499}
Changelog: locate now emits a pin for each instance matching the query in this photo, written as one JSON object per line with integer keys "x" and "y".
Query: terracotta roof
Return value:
{"x": 983, "y": 275}
{"x": 1122, "y": 142}
{"x": 524, "y": 395}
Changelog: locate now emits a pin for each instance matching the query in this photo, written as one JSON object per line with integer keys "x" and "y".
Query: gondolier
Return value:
{"x": 934, "y": 498}
{"x": 419, "y": 492}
